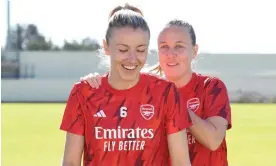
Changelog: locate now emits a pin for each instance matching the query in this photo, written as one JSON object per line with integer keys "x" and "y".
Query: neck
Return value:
{"x": 117, "y": 83}
{"x": 181, "y": 81}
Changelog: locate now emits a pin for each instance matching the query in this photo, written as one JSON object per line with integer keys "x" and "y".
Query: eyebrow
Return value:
{"x": 128, "y": 46}
{"x": 162, "y": 42}
{"x": 122, "y": 45}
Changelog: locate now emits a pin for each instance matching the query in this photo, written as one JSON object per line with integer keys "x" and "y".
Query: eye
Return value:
{"x": 179, "y": 46}
{"x": 123, "y": 50}
{"x": 141, "y": 51}
{"x": 164, "y": 46}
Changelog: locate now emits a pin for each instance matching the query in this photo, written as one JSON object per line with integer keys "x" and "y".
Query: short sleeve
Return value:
{"x": 217, "y": 100}
{"x": 177, "y": 117}
{"x": 73, "y": 117}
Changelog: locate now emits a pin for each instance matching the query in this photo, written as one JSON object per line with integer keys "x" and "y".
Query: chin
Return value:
{"x": 129, "y": 75}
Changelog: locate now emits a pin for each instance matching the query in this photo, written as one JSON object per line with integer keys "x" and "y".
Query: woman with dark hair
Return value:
{"x": 133, "y": 119}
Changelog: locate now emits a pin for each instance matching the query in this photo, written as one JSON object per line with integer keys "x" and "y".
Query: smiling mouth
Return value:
{"x": 172, "y": 64}
{"x": 130, "y": 67}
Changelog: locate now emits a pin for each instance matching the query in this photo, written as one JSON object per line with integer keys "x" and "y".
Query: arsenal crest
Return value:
{"x": 147, "y": 111}
{"x": 193, "y": 104}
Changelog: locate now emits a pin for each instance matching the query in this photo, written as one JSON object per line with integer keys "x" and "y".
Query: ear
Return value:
{"x": 106, "y": 49}
{"x": 195, "y": 50}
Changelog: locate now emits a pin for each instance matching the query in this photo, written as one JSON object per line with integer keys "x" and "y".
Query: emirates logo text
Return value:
{"x": 123, "y": 139}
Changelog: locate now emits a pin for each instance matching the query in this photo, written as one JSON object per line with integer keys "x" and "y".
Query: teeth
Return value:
{"x": 129, "y": 67}
{"x": 172, "y": 64}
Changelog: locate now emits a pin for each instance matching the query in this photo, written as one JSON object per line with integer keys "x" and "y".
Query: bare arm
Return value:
{"x": 73, "y": 150}
{"x": 178, "y": 148}
{"x": 74, "y": 125}
{"x": 177, "y": 121}
{"x": 209, "y": 132}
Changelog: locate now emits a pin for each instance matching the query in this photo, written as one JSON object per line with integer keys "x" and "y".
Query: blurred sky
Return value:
{"x": 222, "y": 26}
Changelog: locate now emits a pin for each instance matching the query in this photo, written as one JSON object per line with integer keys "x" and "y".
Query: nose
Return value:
{"x": 171, "y": 52}
{"x": 132, "y": 57}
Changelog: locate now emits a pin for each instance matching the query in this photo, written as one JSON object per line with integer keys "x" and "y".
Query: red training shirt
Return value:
{"x": 207, "y": 97}
{"x": 126, "y": 127}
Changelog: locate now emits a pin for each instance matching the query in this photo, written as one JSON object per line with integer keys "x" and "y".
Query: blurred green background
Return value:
{"x": 31, "y": 135}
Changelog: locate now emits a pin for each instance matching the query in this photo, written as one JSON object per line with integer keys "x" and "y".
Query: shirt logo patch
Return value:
{"x": 193, "y": 104}
{"x": 147, "y": 111}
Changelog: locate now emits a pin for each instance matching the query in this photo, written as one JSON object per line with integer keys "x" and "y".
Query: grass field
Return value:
{"x": 31, "y": 136}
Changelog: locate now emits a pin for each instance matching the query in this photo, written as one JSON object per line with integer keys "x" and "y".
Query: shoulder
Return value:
{"x": 211, "y": 81}
{"x": 83, "y": 88}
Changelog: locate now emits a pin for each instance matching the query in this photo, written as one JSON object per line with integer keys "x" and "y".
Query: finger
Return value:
{"x": 85, "y": 77}
{"x": 88, "y": 77}
{"x": 99, "y": 79}
{"x": 90, "y": 82}
{"x": 93, "y": 79}
{"x": 95, "y": 83}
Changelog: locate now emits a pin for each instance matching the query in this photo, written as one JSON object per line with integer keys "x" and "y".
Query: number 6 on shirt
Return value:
{"x": 123, "y": 112}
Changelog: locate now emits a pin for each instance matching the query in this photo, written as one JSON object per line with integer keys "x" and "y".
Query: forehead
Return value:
{"x": 173, "y": 34}
{"x": 129, "y": 36}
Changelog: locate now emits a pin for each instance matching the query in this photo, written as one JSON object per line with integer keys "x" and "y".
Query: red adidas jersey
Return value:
{"x": 126, "y": 127}
{"x": 207, "y": 97}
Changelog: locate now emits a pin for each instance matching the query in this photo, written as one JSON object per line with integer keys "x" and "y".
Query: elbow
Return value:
{"x": 214, "y": 145}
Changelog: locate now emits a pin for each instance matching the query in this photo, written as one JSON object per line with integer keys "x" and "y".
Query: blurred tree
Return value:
{"x": 87, "y": 44}
{"x": 39, "y": 44}
{"x": 73, "y": 46}
{"x": 16, "y": 38}
{"x": 28, "y": 38}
